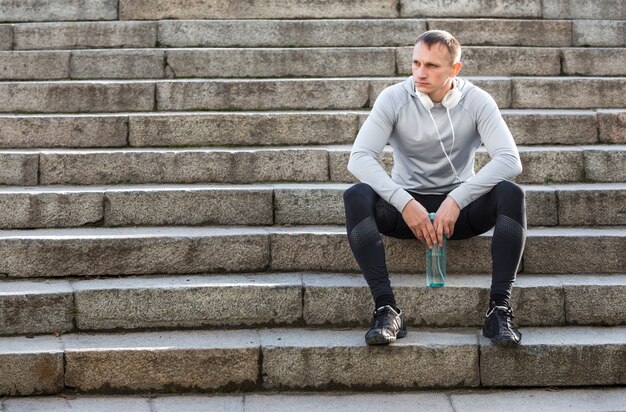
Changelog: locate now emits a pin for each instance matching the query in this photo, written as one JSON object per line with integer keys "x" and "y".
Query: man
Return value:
{"x": 435, "y": 122}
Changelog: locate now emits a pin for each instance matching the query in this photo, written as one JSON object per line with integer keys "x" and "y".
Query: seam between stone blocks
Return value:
{"x": 13, "y": 37}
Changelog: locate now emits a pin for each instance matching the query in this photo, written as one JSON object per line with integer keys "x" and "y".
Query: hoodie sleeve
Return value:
{"x": 367, "y": 148}
{"x": 505, "y": 162}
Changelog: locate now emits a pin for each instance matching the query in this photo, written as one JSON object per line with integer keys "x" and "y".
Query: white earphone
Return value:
{"x": 451, "y": 99}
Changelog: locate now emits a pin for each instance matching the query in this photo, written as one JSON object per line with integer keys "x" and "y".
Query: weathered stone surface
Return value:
{"x": 217, "y": 205}
{"x": 327, "y": 249}
{"x": 364, "y": 402}
{"x": 569, "y": 93}
{"x": 30, "y": 366}
{"x": 545, "y": 165}
{"x": 502, "y": 32}
{"x": 594, "y": 62}
{"x": 345, "y": 300}
{"x": 18, "y": 168}
{"x": 536, "y": 300}
{"x": 309, "y": 204}
{"x": 118, "y": 64}
{"x": 552, "y": 126}
{"x": 567, "y": 250}
{"x": 541, "y": 206}
{"x": 582, "y": 295}
{"x": 322, "y": 359}
{"x": 237, "y": 129}
{"x": 36, "y": 10}
{"x": 570, "y": 356}
{"x": 101, "y": 403}
{"x": 35, "y": 307}
{"x": 29, "y": 131}
{"x": 198, "y": 403}
{"x": 612, "y": 126}
{"x": 471, "y": 8}
{"x": 80, "y": 35}
{"x": 546, "y": 400}
{"x": 598, "y": 33}
{"x": 162, "y": 361}
{"x": 34, "y": 65}
{"x": 605, "y": 163}
{"x": 188, "y": 301}
{"x": 313, "y": 62}
{"x": 73, "y": 96}
{"x": 47, "y": 208}
{"x": 100, "y": 251}
{"x": 497, "y": 61}
{"x": 262, "y": 94}
{"x": 499, "y": 88}
{"x": 183, "y": 166}
{"x": 256, "y": 9}
{"x": 581, "y": 9}
{"x": 6, "y": 36}
{"x": 603, "y": 204}
{"x": 284, "y": 33}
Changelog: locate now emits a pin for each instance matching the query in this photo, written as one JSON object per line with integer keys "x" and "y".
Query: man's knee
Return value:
{"x": 360, "y": 193}
{"x": 510, "y": 191}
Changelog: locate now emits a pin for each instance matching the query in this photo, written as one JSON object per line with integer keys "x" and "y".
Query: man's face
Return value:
{"x": 433, "y": 70}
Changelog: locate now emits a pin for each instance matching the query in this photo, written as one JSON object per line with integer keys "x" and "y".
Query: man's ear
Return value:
{"x": 456, "y": 68}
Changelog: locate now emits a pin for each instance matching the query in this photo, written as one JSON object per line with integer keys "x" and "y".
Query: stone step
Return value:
{"x": 28, "y": 167}
{"x": 529, "y": 127}
{"x": 307, "y": 33}
{"x": 311, "y": 299}
{"x": 264, "y": 204}
{"x": 472, "y": 400}
{"x": 188, "y": 250}
{"x": 36, "y": 10}
{"x": 298, "y": 62}
{"x": 541, "y": 164}
{"x": 286, "y": 94}
{"x": 296, "y": 359}
{"x": 197, "y": 9}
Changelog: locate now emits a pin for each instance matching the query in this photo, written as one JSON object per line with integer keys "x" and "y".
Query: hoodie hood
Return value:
{"x": 461, "y": 84}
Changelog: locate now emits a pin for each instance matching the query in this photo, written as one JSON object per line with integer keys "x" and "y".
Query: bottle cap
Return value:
{"x": 432, "y": 216}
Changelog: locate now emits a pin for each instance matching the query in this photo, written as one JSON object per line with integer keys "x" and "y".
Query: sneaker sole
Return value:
{"x": 380, "y": 340}
{"x": 503, "y": 342}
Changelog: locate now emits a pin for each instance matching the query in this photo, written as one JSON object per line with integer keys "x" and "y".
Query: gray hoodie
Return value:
{"x": 419, "y": 163}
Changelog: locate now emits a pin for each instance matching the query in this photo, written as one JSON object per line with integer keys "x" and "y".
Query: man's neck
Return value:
{"x": 437, "y": 97}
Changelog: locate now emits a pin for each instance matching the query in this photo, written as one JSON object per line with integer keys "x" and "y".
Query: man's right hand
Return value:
{"x": 416, "y": 218}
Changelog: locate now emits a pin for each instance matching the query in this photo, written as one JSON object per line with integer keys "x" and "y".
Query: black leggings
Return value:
{"x": 368, "y": 215}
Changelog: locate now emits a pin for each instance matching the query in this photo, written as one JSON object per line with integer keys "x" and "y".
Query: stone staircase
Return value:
{"x": 172, "y": 220}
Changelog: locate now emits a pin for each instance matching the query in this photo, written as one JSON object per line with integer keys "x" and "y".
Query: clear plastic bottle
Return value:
{"x": 436, "y": 263}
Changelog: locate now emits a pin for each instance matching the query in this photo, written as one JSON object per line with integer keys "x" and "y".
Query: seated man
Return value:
{"x": 435, "y": 122}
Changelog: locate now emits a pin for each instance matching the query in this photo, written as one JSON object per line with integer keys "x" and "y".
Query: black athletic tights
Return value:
{"x": 368, "y": 215}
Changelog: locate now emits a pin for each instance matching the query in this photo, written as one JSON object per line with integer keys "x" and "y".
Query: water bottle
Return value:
{"x": 436, "y": 263}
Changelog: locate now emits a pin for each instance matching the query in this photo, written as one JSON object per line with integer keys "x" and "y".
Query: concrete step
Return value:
{"x": 180, "y": 9}
{"x": 311, "y": 299}
{"x": 473, "y": 400}
{"x": 541, "y": 164}
{"x": 296, "y": 359}
{"x": 297, "y": 62}
{"x": 303, "y": 164}
{"x": 28, "y": 167}
{"x": 529, "y": 127}
{"x": 35, "y": 10}
{"x": 183, "y": 249}
{"x": 307, "y": 33}
{"x": 266, "y": 204}
{"x": 286, "y": 94}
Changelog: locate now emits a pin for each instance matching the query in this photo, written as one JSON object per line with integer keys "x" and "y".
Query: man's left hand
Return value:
{"x": 445, "y": 218}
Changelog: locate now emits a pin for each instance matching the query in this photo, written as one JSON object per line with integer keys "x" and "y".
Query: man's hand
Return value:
{"x": 416, "y": 218}
{"x": 445, "y": 218}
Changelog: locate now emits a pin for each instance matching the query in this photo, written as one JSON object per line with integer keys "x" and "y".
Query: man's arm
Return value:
{"x": 364, "y": 165}
{"x": 505, "y": 162}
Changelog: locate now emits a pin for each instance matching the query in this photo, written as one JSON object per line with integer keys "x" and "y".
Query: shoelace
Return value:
{"x": 381, "y": 321}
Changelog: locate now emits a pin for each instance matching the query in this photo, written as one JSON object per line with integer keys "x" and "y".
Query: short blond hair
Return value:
{"x": 441, "y": 37}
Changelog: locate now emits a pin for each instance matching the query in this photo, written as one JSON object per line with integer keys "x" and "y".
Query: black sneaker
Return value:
{"x": 499, "y": 327}
{"x": 387, "y": 325}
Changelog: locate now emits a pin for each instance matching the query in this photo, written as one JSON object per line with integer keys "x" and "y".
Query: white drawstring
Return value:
{"x": 441, "y": 142}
